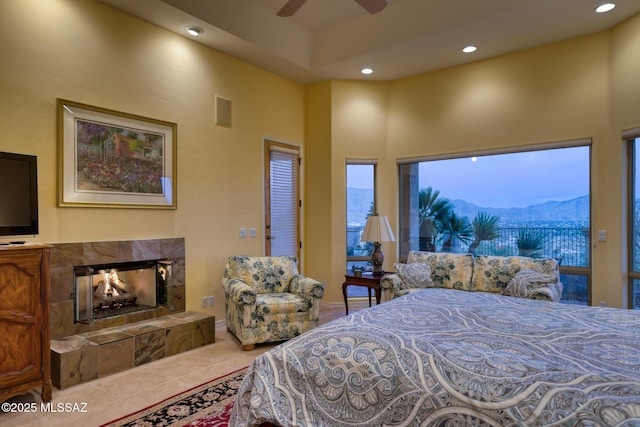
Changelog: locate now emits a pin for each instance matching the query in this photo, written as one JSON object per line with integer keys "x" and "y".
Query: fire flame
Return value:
{"x": 110, "y": 278}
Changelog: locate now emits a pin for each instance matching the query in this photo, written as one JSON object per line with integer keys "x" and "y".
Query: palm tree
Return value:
{"x": 372, "y": 209}
{"x": 485, "y": 227}
{"x": 530, "y": 242}
{"x": 433, "y": 207}
{"x": 368, "y": 246}
{"x": 456, "y": 228}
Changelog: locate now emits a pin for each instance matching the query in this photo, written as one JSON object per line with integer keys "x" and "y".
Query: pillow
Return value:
{"x": 415, "y": 275}
{"x": 531, "y": 284}
{"x": 551, "y": 292}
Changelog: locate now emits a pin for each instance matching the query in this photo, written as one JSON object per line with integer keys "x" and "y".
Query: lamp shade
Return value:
{"x": 377, "y": 229}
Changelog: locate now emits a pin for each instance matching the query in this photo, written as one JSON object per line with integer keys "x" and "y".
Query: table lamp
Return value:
{"x": 376, "y": 230}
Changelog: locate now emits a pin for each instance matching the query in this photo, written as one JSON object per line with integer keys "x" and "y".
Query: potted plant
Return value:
{"x": 357, "y": 270}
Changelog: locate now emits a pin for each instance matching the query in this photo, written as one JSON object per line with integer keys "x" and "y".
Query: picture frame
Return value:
{"x": 107, "y": 158}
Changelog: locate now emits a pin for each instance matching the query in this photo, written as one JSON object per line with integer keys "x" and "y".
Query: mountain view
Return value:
{"x": 574, "y": 210}
{"x": 562, "y": 223}
{"x": 358, "y": 205}
{"x": 569, "y": 211}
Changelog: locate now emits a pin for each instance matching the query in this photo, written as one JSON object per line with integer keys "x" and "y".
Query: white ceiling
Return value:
{"x": 334, "y": 39}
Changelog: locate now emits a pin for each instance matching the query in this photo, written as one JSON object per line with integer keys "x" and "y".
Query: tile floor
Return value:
{"x": 120, "y": 394}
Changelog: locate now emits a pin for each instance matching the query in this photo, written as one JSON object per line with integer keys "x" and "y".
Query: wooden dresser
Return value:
{"x": 25, "y": 360}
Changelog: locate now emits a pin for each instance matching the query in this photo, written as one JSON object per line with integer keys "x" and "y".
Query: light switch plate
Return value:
{"x": 602, "y": 235}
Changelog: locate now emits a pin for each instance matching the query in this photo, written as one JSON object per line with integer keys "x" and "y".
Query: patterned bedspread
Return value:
{"x": 447, "y": 357}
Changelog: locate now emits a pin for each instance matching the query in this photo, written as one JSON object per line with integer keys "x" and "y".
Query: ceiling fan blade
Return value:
{"x": 290, "y": 7}
{"x": 372, "y": 6}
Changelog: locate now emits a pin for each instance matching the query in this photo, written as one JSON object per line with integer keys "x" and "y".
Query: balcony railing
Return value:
{"x": 570, "y": 246}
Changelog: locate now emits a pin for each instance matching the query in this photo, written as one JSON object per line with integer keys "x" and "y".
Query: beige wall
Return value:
{"x": 582, "y": 88}
{"x": 87, "y": 52}
{"x": 624, "y": 115}
{"x": 317, "y": 207}
{"x": 555, "y": 93}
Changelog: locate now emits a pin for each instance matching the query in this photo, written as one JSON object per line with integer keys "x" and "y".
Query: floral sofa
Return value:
{"x": 267, "y": 300}
{"x": 517, "y": 276}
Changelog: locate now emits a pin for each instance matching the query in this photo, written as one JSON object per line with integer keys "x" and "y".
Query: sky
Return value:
{"x": 503, "y": 180}
{"x": 511, "y": 180}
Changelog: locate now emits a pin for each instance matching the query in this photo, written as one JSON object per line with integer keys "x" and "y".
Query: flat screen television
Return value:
{"x": 18, "y": 194}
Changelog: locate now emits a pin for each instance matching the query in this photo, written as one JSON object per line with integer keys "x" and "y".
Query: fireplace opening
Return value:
{"x": 107, "y": 290}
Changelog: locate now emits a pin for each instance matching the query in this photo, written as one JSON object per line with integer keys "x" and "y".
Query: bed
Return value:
{"x": 448, "y": 357}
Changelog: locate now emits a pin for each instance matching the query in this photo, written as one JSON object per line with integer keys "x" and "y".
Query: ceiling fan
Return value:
{"x": 371, "y": 6}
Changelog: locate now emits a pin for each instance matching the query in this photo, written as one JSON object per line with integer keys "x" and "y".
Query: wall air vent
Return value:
{"x": 223, "y": 111}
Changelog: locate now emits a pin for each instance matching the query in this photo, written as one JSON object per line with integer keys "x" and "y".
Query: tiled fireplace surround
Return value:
{"x": 82, "y": 352}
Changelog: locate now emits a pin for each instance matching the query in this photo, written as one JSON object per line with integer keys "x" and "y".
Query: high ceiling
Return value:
{"x": 334, "y": 39}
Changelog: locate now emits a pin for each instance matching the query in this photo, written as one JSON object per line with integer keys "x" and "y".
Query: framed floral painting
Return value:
{"x": 111, "y": 159}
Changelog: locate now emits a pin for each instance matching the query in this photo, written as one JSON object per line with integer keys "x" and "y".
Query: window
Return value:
{"x": 281, "y": 200}
{"x": 360, "y": 204}
{"x": 529, "y": 203}
{"x": 633, "y": 152}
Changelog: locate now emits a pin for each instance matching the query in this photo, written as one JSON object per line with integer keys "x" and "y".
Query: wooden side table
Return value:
{"x": 368, "y": 280}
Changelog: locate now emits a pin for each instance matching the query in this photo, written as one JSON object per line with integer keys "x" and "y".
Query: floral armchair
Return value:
{"x": 267, "y": 300}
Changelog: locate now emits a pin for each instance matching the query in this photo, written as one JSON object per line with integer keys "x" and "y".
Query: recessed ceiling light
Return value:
{"x": 193, "y": 30}
{"x": 367, "y": 70}
{"x": 605, "y": 7}
{"x": 469, "y": 49}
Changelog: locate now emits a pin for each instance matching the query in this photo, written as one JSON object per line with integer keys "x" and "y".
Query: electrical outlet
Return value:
{"x": 211, "y": 300}
{"x": 252, "y": 232}
{"x": 204, "y": 301}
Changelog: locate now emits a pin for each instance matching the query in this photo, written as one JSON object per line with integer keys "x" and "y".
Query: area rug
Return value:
{"x": 206, "y": 405}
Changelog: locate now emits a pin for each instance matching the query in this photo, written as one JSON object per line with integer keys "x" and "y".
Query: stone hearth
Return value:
{"x": 80, "y": 358}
